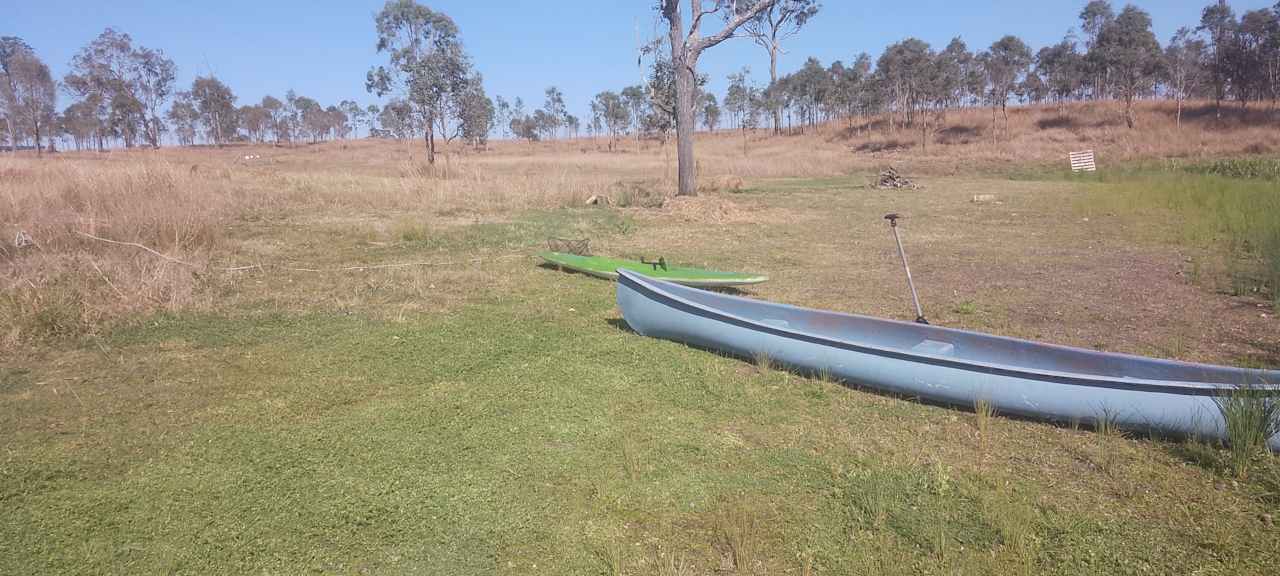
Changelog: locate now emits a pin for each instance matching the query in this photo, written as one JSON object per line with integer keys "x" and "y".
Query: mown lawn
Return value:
{"x": 510, "y": 422}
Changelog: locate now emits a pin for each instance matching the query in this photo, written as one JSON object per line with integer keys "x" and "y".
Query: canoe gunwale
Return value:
{"x": 651, "y": 288}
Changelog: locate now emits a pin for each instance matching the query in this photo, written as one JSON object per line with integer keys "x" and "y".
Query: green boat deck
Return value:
{"x": 602, "y": 267}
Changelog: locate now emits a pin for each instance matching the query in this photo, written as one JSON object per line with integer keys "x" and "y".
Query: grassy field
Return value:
{"x": 1229, "y": 208}
{"x": 279, "y": 403}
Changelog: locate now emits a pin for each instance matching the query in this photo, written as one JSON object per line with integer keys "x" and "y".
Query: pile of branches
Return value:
{"x": 891, "y": 179}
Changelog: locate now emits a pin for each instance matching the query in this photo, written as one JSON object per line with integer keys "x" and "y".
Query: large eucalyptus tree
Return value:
{"x": 686, "y": 48}
{"x": 131, "y": 83}
{"x": 1132, "y": 53}
{"x": 10, "y": 48}
{"x": 33, "y": 97}
{"x": 428, "y": 66}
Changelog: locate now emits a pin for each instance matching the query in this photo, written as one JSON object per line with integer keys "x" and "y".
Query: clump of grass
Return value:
{"x": 670, "y": 564}
{"x": 411, "y": 230}
{"x": 940, "y": 482}
{"x": 1104, "y": 423}
{"x": 1245, "y": 168}
{"x": 984, "y": 411}
{"x": 630, "y": 460}
{"x": 614, "y": 557}
{"x": 966, "y": 308}
{"x": 874, "y": 497}
{"x": 638, "y": 194}
{"x": 741, "y": 535}
{"x": 1015, "y": 522}
{"x": 1251, "y": 415}
{"x": 763, "y": 361}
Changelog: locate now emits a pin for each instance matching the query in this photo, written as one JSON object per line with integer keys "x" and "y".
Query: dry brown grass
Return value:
{"x": 1044, "y": 134}
{"x": 186, "y": 203}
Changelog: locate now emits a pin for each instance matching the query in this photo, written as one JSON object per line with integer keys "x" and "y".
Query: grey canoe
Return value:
{"x": 946, "y": 365}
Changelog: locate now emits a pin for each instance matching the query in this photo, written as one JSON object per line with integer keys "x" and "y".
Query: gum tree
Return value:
{"x": 1004, "y": 64}
{"x": 686, "y": 48}
{"x": 1132, "y": 54}
{"x": 10, "y": 47}
{"x": 1184, "y": 61}
{"x": 780, "y": 21}
{"x": 34, "y": 95}
{"x": 427, "y": 63}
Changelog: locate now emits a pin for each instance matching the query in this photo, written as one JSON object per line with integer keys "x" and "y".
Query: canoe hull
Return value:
{"x": 651, "y": 312}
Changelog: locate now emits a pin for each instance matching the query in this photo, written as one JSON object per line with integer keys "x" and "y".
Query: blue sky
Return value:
{"x": 322, "y": 49}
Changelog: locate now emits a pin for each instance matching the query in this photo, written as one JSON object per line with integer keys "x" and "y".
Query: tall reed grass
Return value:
{"x": 1252, "y": 416}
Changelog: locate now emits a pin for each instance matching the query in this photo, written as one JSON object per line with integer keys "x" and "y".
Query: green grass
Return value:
{"x": 1246, "y": 168}
{"x": 524, "y": 430}
{"x": 493, "y": 440}
{"x": 1235, "y": 220}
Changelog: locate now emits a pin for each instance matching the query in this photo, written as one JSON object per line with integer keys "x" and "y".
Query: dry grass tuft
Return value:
{"x": 726, "y": 183}
{"x": 763, "y": 362}
{"x": 741, "y": 534}
{"x": 704, "y": 209}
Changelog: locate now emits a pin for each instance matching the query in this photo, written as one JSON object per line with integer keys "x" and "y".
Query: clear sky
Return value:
{"x": 322, "y": 49}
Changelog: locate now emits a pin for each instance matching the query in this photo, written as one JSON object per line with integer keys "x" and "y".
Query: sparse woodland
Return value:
{"x": 124, "y": 95}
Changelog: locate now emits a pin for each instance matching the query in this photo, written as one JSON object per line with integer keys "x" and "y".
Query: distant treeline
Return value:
{"x": 1114, "y": 56}
{"x": 125, "y": 94}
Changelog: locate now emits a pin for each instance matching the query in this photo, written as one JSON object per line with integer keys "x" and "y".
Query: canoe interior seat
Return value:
{"x": 935, "y": 348}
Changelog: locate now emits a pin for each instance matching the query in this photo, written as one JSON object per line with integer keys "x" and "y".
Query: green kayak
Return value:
{"x": 602, "y": 267}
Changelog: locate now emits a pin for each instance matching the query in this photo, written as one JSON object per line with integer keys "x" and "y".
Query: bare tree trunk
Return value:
{"x": 429, "y": 135}
{"x": 773, "y": 83}
{"x": 684, "y": 63}
{"x": 1004, "y": 111}
{"x": 217, "y": 130}
{"x": 684, "y": 58}
{"x": 993, "y": 123}
{"x": 13, "y": 138}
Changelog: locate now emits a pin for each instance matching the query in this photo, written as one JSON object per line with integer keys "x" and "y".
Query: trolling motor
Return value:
{"x": 893, "y": 225}
{"x": 661, "y": 262}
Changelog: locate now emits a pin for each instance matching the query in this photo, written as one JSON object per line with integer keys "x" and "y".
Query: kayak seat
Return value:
{"x": 935, "y": 348}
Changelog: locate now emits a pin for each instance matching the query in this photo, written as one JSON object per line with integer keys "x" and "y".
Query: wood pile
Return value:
{"x": 891, "y": 179}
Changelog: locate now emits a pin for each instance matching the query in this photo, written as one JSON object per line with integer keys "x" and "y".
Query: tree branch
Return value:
{"x": 696, "y": 48}
{"x": 698, "y": 13}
